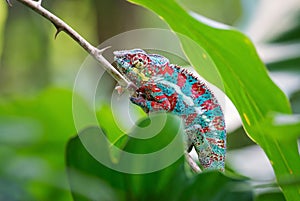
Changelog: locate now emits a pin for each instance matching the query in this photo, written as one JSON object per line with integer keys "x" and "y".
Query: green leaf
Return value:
{"x": 283, "y": 123}
{"x": 227, "y": 189}
{"x": 126, "y": 186}
{"x": 155, "y": 184}
{"x": 246, "y": 81}
{"x": 108, "y": 123}
{"x": 238, "y": 139}
{"x": 83, "y": 169}
{"x": 288, "y": 40}
{"x": 291, "y": 34}
{"x": 288, "y": 64}
{"x": 270, "y": 196}
{"x": 110, "y": 181}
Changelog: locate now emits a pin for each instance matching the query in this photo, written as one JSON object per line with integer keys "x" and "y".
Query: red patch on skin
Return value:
{"x": 155, "y": 89}
{"x": 181, "y": 79}
{"x": 141, "y": 89}
{"x": 205, "y": 130}
{"x": 134, "y": 57}
{"x": 173, "y": 100}
{"x": 216, "y": 157}
{"x": 221, "y": 143}
{"x": 208, "y": 105}
{"x": 142, "y": 56}
{"x": 153, "y": 104}
{"x": 211, "y": 140}
{"x": 217, "y": 122}
{"x": 190, "y": 118}
{"x": 159, "y": 97}
{"x": 164, "y": 105}
{"x": 167, "y": 69}
{"x": 198, "y": 89}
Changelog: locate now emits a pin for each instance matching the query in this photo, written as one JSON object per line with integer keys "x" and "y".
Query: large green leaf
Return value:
{"x": 93, "y": 180}
{"x": 108, "y": 123}
{"x": 126, "y": 186}
{"x": 227, "y": 189}
{"x": 283, "y": 123}
{"x": 270, "y": 196}
{"x": 246, "y": 81}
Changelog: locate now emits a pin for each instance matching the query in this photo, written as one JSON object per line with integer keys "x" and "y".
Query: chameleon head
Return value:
{"x": 137, "y": 65}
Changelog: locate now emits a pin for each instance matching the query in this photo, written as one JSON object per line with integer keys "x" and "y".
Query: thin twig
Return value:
{"x": 192, "y": 163}
{"x": 9, "y": 3}
{"x": 60, "y": 25}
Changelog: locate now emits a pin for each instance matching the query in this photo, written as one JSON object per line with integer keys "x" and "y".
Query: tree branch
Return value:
{"x": 192, "y": 163}
{"x": 60, "y": 25}
{"x": 9, "y": 3}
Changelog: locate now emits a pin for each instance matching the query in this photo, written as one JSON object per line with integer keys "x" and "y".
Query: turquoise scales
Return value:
{"x": 166, "y": 87}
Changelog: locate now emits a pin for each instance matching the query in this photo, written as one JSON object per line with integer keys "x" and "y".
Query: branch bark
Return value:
{"x": 60, "y": 26}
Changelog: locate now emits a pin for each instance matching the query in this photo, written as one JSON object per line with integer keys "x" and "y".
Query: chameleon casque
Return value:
{"x": 167, "y": 87}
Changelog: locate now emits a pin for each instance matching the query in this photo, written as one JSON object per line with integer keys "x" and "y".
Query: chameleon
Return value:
{"x": 162, "y": 86}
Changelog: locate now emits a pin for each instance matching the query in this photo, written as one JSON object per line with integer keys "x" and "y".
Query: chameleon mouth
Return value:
{"x": 116, "y": 66}
{"x": 118, "y": 55}
{"x": 121, "y": 70}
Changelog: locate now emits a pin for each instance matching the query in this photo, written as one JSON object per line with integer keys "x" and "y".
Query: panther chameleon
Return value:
{"x": 167, "y": 87}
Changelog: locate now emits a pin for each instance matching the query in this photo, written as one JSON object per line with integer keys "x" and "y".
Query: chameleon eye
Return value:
{"x": 138, "y": 62}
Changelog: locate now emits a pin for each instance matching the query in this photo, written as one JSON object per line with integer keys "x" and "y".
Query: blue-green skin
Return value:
{"x": 167, "y": 87}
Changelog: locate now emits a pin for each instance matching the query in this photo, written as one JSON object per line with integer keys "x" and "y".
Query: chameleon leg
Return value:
{"x": 151, "y": 98}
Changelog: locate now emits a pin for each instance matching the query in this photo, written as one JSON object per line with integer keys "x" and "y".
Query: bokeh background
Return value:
{"x": 37, "y": 73}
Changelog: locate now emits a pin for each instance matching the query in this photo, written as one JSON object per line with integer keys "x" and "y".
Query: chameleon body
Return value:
{"x": 167, "y": 87}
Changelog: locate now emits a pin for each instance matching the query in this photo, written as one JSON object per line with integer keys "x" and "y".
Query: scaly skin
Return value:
{"x": 166, "y": 87}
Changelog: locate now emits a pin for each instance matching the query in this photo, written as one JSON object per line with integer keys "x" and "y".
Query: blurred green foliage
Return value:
{"x": 36, "y": 122}
{"x": 170, "y": 183}
{"x": 33, "y": 136}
